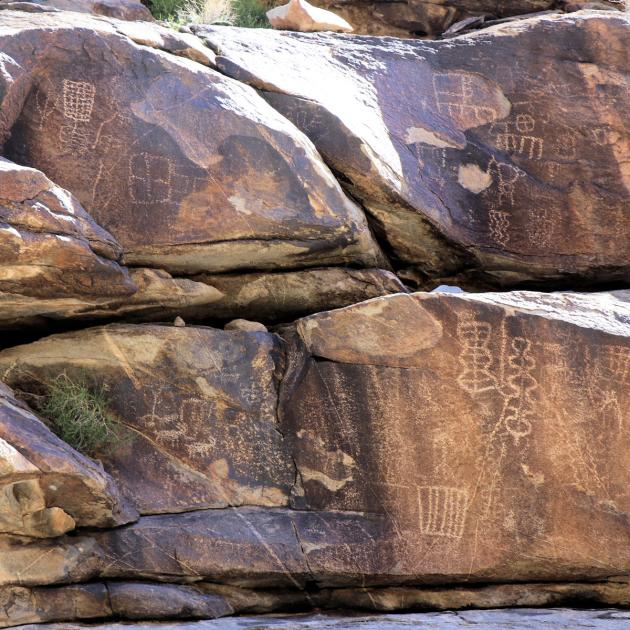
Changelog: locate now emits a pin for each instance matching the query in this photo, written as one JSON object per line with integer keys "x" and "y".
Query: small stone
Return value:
{"x": 245, "y": 325}
{"x": 299, "y": 15}
{"x": 179, "y": 322}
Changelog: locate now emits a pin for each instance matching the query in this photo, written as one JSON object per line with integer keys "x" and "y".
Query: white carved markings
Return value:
{"x": 150, "y": 178}
{"x": 442, "y": 510}
{"x": 518, "y": 137}
{"x": 455, "y": 97}
{"x": 77, "y": 106}
{"x": 501, "y": 203}
{"x": 476, "y": 358}
{"x": 521, "y": 386}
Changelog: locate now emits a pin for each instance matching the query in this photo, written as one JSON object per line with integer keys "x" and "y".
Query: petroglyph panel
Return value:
{"x": 498, "y": 449}
{"x": 198, "y": 407}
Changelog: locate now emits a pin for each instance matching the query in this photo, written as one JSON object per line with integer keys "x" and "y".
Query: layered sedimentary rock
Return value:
{"x": 189, "y": 170}
{"x": 121, "y": 9}
{"x": 198, "y": 406}
{"x": 419, "y": 18}
{"x": 49, "y": 245}
{"x": 468, "y": 163}
{"x": 489, "y": 431}
{"x": 46, "y": 487}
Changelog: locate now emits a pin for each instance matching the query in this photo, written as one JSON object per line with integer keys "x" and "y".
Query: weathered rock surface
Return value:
{"x": 287, "y": 295}
{"x": 49, "y": 245}
{"x": 515, "y": 173}
{"x": 199, "y": 406}
{"x": 145, "y": 600}
{"x": 418, "y": 18}
{"x": 489, "y": 431}
{"x": 299, "y": 15}
{"x": 45, "y": 485}
{"x": 189, "y": 170}
{"x": 121, "y": 9}
{"x": 158, "y": 296}
{"x": 511, "y": 619}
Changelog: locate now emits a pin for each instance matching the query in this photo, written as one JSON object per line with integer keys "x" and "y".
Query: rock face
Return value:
{"x": 121, "y": 9}
{"x": 120, "y": 128}
{"x": 49, "y": 245}
{"x": 488, "y": 429}
{"x": 468, "y": 165}
{"x": 418, "y": 18}
{"x": 299, "y": 15}
{"x": 46, "y": 487}
{"x": 199, "y": 406}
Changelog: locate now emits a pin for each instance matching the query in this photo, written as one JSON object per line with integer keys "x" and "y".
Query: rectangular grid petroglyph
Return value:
{"x": 442, "y": 510}
{"x": 78, "y": 100}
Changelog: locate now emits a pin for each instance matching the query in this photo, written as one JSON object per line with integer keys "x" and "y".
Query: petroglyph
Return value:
{"x": 518, "y": 411}
{"x": 455, "y": 97}
{"x": 150, "y": 178}
{"x": 78, "y": 100}
{"x": 506, "y": 176}
{"x": 442, "y": 510}
{"x": 475, "y": 376}
{"x": 517, "y": 139}
{"x": 77, "y": 105}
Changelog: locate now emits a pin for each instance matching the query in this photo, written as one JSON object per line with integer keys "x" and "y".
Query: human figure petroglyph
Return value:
{"x": 454, "y": 96}
{"x": 475, "y": 358}
{"x": 442, "y": 510}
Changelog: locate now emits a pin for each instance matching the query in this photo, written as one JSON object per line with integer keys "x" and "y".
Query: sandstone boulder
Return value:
{"x": 158, "y": 296}
{"x": 188, "y": 169}
{"x": 46, "y": 487}
{"x": 488, "y": 431}
{"x": 49, "y": 245}
{"x": 121, "y": 9}
{"x": 198, "y": 406}
{"x": 272, "y": 297}
{"x": 469, "y": 164}
{"x": 300, "y": 15}
{"x": 419, "y": 18}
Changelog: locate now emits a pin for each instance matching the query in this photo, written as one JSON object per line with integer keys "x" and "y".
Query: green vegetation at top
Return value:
{"x": 245, "y": 13}
{"x": 77, "y": 412}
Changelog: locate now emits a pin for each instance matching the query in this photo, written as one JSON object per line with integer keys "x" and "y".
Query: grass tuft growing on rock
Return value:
{"x": 244, "y": 13}
{"x": 77, "y": 412}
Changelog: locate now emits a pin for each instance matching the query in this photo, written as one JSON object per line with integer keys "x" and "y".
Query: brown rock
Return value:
{"x": 122, "y": 9}
{"x": 468, "y": 163}
{"x": 486, "y": 438}
{"x": 300, "y": 15}
{"x": 198, "y": 404}
{"x": 245, "y": 325}
{"x": 49, "y": 245}
{"x": 138, "y": 600}
{"x": 119, "y": 125}
{"x": 240, "y": 546}
{"x": 271, "y": 297}
{"x": 158, "y": 297}
{"x": 19, "y": 605}
{"x": 46, "y": 486}
{"x": 418, "y": 18}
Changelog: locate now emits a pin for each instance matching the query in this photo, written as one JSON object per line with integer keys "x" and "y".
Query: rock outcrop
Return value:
{"x": 299, "y": 15}
{"x": 198, "y": 405}
{"x": 46, "y": 487}
{"x": 121, "y": 9}
{"x": 420, "y": 18}
{"x": 469, "y": 165}
{"x": 119, "y": 124}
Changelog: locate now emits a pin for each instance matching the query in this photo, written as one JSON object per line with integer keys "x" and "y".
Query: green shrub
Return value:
{"x": 245, "y": 13}
{"x": 77, "y": 412}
